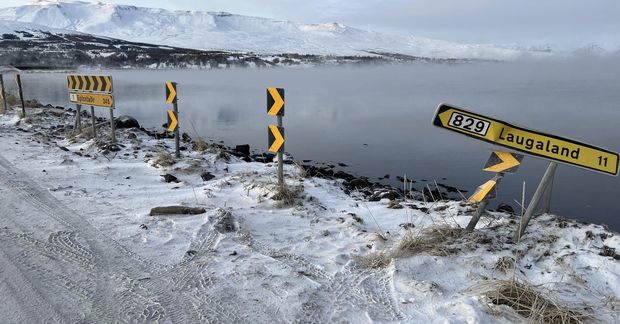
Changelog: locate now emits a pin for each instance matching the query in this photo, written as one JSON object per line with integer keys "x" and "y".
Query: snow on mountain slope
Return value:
{"x": 224, "y": 31}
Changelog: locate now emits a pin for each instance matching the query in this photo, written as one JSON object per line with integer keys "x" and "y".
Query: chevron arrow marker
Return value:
{"x": 503, "y": 162}
{"x": 276, "y": 138}
{"x": 173, "y": 123}
{"x": 275, "y": 101}
{"x": 483, "y": 191}
{"x": 171, "y": 92}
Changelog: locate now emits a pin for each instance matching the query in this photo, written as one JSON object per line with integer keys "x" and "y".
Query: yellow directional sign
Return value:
{"x": 171, "y": 92}
{"x": 93, "y": 83}
{"x": 92, "y": 99}
{"x": 485, "y": 191}
{"x": 503, "y": 162}
{"x": 528, "y": 141}
{"x": 173, "y": 122}
{"x": 276, "y": 139}
{"x": 275, "y": 101}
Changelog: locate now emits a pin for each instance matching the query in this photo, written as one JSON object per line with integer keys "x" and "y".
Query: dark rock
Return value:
{"x": 243, "y": 149}
{"x": 233, "y": 253}
{"x": 307, "y": 161}
{"x": 343, "y": 175}
{"x": 609, "y": 252}
{"x": 407, "y": 225}
{"x": 191, "y": 253}
{"x": 387, "y": 176}
{"x": 391, "y": 195}
{"x": 206, "y": 176}
{"x": 176, "y": 210}
{"x": 505, "y": 208}
{"x": 126, "y": 122}
{"x": 170, "y": 178}
{"x": 186, "y": 138}
{"x": 63, "y": 148}
{"x": 357, "y": 183}
{"x": 343, "y": 165}
{"x": 144, "y": 227}
{"x": 431, "y": 195}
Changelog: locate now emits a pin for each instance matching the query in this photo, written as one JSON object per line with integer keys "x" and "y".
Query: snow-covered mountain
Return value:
{"x": 224, "y": 31}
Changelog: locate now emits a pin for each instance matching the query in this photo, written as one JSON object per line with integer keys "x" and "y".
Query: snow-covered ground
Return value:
{"x": 230, "y": 32}
{"x": 77, "y": 242}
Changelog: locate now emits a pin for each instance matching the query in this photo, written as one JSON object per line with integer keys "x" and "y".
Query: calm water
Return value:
{"x": 332, "y": 112}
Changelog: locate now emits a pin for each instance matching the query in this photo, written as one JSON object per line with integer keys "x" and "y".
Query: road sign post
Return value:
{"x": 18, "y": 80}
{"x": 553, "y": 148}
{"x": 93, "y": 120}
{"x": 275, "y": 107}
{"x": 92, "y": 90}
{"x": 5, "y": 108}
{"x": 173, "y": 124}
{"x": 542, "y": 187}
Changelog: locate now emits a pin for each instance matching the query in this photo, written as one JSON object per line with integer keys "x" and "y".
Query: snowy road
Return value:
{"x": 56, "y": 267}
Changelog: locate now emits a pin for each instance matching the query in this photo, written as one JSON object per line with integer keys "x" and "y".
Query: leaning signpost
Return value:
{"x": 18, "y": 81}
{"x": 275, "y": 133}
{"x": 553, "y": 148}
{"x": 92, "y": 90}
{"x": 173, "y": 115}
{"x": 5, "y": 108}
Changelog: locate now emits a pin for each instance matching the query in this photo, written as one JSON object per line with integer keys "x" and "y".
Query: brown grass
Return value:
{"x": 435, "y": 241}
{"x": 531, "y": 303}
{"x": 200, "y": 145}
{"x": 375, "y": 260}
{"x": 289, "y": 196}
{"x": 163, "y": 159}
{"x": 504, "y": 264}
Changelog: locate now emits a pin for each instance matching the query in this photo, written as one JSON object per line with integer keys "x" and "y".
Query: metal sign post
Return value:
{"x": 5, "y": 108}
{"x": 545, "y": 182}
{"x": 275, "y": 134}
{"x": 173, "y": 123}
{"x": 18, "y": 80}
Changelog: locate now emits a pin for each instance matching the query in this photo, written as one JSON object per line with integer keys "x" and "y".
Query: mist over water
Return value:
{"x": 377, "y": 119}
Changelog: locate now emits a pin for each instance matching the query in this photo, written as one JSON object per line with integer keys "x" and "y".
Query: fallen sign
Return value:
{"x": 531, "y": 142}
{"x": 92, "y": 99}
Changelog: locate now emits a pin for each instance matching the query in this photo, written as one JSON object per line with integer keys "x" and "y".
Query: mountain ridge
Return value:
{"x": 213, "y": 30}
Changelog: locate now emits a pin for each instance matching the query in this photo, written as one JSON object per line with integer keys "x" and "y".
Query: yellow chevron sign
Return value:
{"x": 485, "y": 191}
{"x": 275, "y": 101}
{"x": 92, "y": 83}
{"x": 502, "y": 162}
{"x": 173, "y": 122}
{"x": 171, "y": 92}
{"x": 276, "y": 139}
{"x": 92, "y": 99}
{"x": 531, "y": 142}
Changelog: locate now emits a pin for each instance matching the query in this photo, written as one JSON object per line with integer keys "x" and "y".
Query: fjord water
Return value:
{"x": 377, "y": 119}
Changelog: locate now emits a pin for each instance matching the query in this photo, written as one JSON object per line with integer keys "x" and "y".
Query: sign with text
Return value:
{"x": 531, "y": 142}
{"x": 92, "y": 99}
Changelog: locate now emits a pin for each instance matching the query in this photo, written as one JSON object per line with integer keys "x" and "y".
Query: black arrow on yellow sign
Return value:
{"x": 275, "y": 101}
{"x": 276, "y": 139}
{"x": 502, "y": 162}
{"x": 173, "y": 122}
{"x": 171, "y": 92}
{"x": 94, "y": 83}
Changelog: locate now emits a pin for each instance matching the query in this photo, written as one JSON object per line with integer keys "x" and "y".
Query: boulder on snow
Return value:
{"x": 126, "y": 122}
{"x": 505, "y": 208}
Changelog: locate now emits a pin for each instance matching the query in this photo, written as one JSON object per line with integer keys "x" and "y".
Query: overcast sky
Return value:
{"x": 528, "y": 22}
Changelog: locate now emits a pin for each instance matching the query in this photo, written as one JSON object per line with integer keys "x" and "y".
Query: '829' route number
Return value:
{"x": 470, "y": 124}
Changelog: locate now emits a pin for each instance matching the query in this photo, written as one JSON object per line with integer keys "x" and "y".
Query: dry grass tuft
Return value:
{"x": 301, "y": 171}
{"x": 375, "y": 260}
{"x": 434, "y": 241}
{"x": 289, "y": 196}
{"x": 504, "y": 264}
{"x": 11, "y": 99}
{"x": 531, "y": 303}
{"x": 200, "y": 145}
{"x": 163, "y": 159}
{"x": 222, "y": 156}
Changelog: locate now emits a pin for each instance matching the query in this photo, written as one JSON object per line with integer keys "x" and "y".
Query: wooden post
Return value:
{"x": 112, "y": 126}
{"x": 177, "y": 138}
{"x": 542, "y": 186}
{"x": 92, "y": 115}
{"x": 78, "y": 117}
{"x": 280, "y": 160}
{"x": 5, "y": 108}
{"x": 18, "y": 80}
